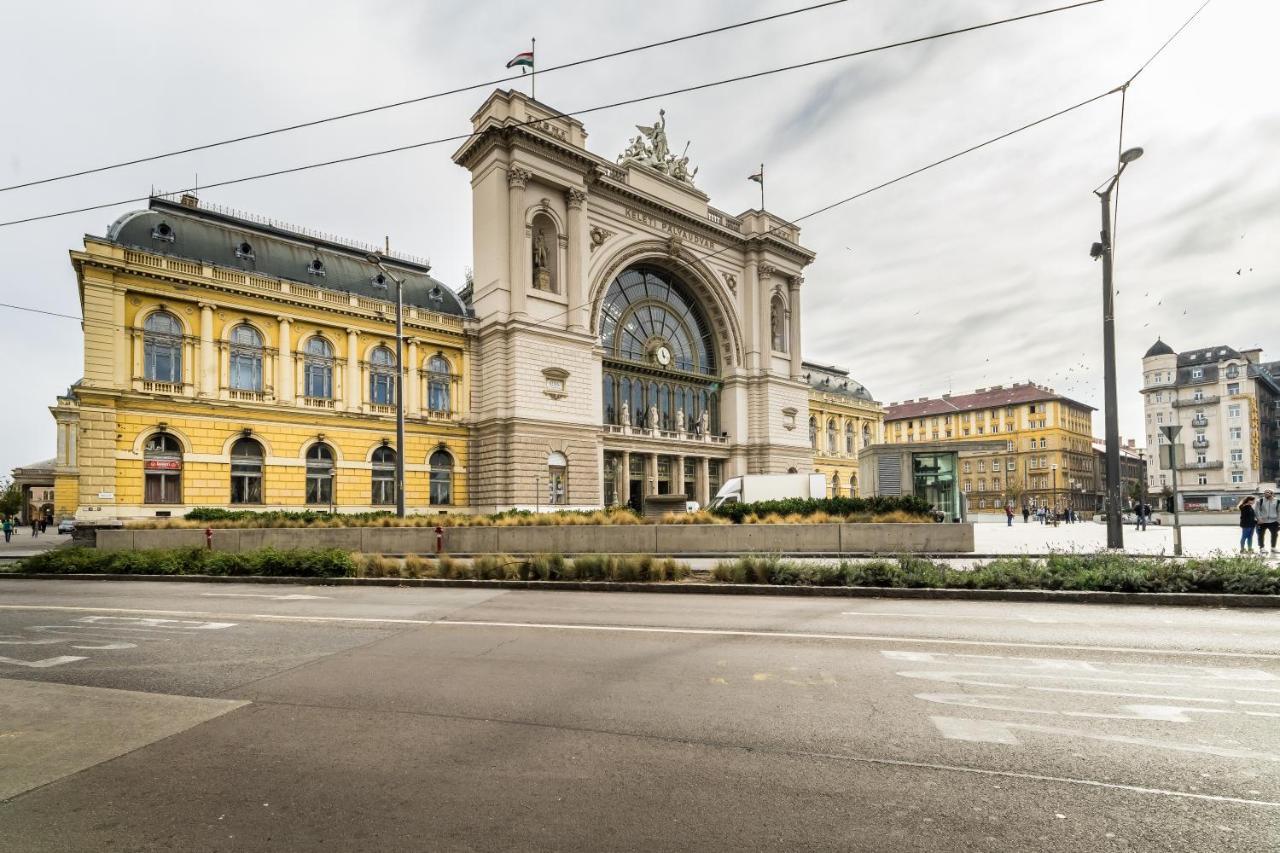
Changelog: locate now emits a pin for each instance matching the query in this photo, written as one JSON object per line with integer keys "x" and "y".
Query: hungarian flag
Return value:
{"x": 758, "y": 177}
{"x": 523, "y": 59}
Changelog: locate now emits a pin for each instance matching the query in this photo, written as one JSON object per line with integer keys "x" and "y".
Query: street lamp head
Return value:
{"x": 1131, "y": 154}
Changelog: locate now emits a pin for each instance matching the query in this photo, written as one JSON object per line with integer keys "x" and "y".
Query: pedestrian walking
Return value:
{"x": 35, "y": 528}
{"x": 1008, "y": 514}
{"x": 1268, "y": 510}
{"x": 1248, "y": 523}
{"x": 7, "y": 525}
{"x": 1140, "y": 513}
{"x": 1026, "y": 514}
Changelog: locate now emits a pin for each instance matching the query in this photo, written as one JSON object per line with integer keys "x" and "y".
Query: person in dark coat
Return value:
{"x": 1248, "y": 523}
{"x": 1026, "y": 514}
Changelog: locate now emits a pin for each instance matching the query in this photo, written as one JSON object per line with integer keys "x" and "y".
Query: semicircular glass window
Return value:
{"x": 647, "y": 310}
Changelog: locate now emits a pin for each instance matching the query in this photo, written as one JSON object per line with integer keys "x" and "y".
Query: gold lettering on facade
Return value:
{"x": 674, "y": 230}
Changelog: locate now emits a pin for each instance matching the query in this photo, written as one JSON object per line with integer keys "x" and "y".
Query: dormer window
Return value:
{"x": 162, "y": 232}
{"x": 379, "y": 281}
{"x": 435, "y": 295}
{"x": 316, "y": 267}
{"x": 244, "y": 250}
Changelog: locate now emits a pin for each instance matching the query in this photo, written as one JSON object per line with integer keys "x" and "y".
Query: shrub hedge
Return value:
{"x": 312, "y": 563}
{"x": 1086, "y": 572}
{"x": 838, "y": 506}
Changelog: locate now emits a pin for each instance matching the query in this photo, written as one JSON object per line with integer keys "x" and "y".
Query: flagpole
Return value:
{"x": 533, "y": 68}
{"x": 762, "y": 187}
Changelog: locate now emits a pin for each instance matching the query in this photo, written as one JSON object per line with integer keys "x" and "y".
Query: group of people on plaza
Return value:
{"x": 1261, "y": 516}
{"x": 1044, "y": 515}
{"x": 10, "y": 527}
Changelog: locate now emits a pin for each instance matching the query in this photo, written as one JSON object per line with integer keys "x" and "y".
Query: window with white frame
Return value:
{"x": 1237, "y": 476}
{"x": 1233, "y": 411}
{"x": 1233, "y": 387}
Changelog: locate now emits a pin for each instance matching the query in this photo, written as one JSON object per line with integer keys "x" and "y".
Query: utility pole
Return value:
{"x": 377, "y": 261}
{"x": 1170, "y": 434}
{"x": 1103, "y": 249}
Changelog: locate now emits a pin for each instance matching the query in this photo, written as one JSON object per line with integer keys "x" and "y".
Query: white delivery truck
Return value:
{"x": 752, "y": 488}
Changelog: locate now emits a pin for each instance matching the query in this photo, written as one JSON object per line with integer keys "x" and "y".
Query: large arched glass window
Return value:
{"x": 439, "y": 380}
{"x": 162, "y": 470}
{"x": 318, "y": 369}
{"x": 384, "y": 476}
{"x": 648, "y": 317}
{"x": 246, "y": 358}
{"x": 557, "y": 478}
{"x": 382, "y": 377}
{"x": 320, "y": 474}
{"x": 813, "y": 432}
{"x": 848, "y": 439}
{"x": 246, "y": 472}
{"x": 441, "y": 464}
{"x": 778, "y": 323}
{"x": 831, "y": 436}
{"x": 162, "y": 348}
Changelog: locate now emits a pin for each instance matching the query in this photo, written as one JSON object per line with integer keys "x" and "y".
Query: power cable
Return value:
{"x": 420, "y": 99}
{"x": 1167, "y": 42}
{"x": 569, "y": 114}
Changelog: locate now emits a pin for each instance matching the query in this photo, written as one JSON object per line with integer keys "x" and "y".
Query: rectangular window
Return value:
{"x": 1202, "y": 480}
{"x": 1233, "y": 387}
{"x": 1233, "y": 411}
{"x": 319, "y": 487}
{"x": 1197, "y": 373}
{"x": 1237, "y": 476}
{"x": 1237, "y": 456}
{"x": 1234, "y": 432}
{"x": 162, "y": 487}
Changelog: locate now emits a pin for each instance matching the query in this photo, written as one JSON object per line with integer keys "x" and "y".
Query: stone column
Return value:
{"x": 624, "y": 488}
{"x": 704, "y": 481}
{"x": 751, "y": 318}
{"x": 677, "y": 484}
{"x": 651, "y": 474}
{"x": 517, "y": 180}
{"x": 353, "y": 395}
{"x": 207, "y": 384}
{"x": 793, "y": 332}
{"x": 575, "y": 287}
{"x": 284, "y": 364}
{"x": 125, "y": 371}
{"x": 409, "y": 374}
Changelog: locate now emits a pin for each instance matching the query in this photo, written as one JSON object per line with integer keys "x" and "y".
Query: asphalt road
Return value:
{"x": 202, "y": 717}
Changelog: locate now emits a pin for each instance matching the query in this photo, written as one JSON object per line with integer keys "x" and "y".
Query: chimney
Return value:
{"x": 189, "y": 200}
{"x": 1253, "y": 356}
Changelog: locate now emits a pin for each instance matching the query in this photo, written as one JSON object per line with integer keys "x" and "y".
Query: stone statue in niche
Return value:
{"x": 653, "y": 417}
{"x": 680, "y": 424}
{"x": 624, "y": 417}
{"x": 703, "y": 422}
{"x": 775, "y": 328}
{"x": 541, "y": 269}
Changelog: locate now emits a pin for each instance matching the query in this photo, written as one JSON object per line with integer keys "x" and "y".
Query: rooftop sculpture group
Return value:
{"x": 649, "y": 148}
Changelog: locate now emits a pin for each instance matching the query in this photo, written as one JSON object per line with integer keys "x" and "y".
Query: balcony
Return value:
{"x": 152, "y": 387}
{"x": 1200, "y": 442}
{"x": 1206, "y": 400}
{"x": 317, "y": 402}
{"x": 245, "y": 396}
{"x": 663, "y": 434}
{"x": 1199, "y": 422}
{"x": 1200, "y": 466}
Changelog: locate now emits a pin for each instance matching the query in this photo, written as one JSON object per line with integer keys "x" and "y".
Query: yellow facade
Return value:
{"x": 843, "y": 419}
{"x": 106, "y": 420}
{"x": 1048, "y": 460}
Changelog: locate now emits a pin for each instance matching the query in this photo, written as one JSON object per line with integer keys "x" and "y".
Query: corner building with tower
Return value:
{"x": 621, "y": 337}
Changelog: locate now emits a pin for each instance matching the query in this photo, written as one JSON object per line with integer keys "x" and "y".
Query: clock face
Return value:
{"x": 663, "y": 355}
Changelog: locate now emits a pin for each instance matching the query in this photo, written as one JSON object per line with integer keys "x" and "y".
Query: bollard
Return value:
{"x": 439, "y": 539}
{"x": 208, "y": 538}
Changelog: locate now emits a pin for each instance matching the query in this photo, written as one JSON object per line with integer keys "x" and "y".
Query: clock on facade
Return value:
{"x": 662, "y": 355}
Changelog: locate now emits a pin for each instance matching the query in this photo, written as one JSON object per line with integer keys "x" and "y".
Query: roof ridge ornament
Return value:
{"x": 650, "y": 149}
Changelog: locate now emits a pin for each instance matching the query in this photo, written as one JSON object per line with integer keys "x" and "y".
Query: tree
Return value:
{"x": 1014, "y": 492}
{"x": 10, "y": 498}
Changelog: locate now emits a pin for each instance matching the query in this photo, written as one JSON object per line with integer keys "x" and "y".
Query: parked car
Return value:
{"x": 67, "y": 525}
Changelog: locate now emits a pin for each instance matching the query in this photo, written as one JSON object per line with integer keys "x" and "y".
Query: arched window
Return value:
{"x": 439, "y": 380}
{"x": 318, "y": 369}
{"x": 162, "y": 348}
{"x": 778, "y": 323}
{"x": 320, "y": 474}
{"x": 382, "y": 377}
{"x": 246, "y": 358}
{"x": 441, "y": 464}
{"x": 246, "y": 472}
{"x": 384, "y": 476}
{"x": 853, "y": 485}
{"x": 848, "y": 439}
{"x": 813, "y": 432}
{"x": 557, "y": 478}
{"x": 866, "y": 435}
{"x": 831, "y": 436}
{"x": 162, "y": 470}
{"x": 835, "y": 485}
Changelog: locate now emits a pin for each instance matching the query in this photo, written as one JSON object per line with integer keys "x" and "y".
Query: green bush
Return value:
{"x": 840, "y": 506}
{"x": 320, "y": 563}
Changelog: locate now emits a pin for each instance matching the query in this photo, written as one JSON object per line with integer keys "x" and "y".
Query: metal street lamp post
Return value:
{"x": 1103, "y": 249}
{"x": 1170, "y": 433}
{"x": 377, "y": 261}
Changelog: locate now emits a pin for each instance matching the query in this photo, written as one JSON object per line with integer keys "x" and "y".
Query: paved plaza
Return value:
{"x": 1087, "y": 536}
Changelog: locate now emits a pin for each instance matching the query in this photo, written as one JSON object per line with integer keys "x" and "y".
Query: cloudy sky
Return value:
{"x": 973, "y": 274}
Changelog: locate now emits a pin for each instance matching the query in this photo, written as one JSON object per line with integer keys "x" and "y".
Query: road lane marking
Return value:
{"x": 41, "y": 664}
{"x": 948, "y": 617}
{"x": 632, "y": 629}
{"x": 293, "y": 597}
{"x": 1002, "y": 732}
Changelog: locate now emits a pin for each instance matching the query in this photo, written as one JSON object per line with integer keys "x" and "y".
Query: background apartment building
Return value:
{"x": 843, "y": 419}
{"x": 1227, "y": 402}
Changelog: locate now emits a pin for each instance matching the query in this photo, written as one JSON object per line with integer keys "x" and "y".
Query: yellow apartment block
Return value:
{"x": 235, "y": 363}
{"x": 1048, "y": 457}
{"x": 843, "y": 419}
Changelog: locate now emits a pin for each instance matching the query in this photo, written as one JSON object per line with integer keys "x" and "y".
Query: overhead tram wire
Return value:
{"x": 418, "y": 100}
{"x": 824, "y": 209}
{"x": 569, "y": 114}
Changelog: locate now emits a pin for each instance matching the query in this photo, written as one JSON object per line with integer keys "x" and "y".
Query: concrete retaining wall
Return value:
{"x": 675, "y": 539}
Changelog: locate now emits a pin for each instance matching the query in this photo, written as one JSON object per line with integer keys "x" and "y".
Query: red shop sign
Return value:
{"x": 163, "y": 465}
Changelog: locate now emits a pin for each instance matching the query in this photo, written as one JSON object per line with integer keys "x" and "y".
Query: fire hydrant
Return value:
{"x": 208, "y": 538}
